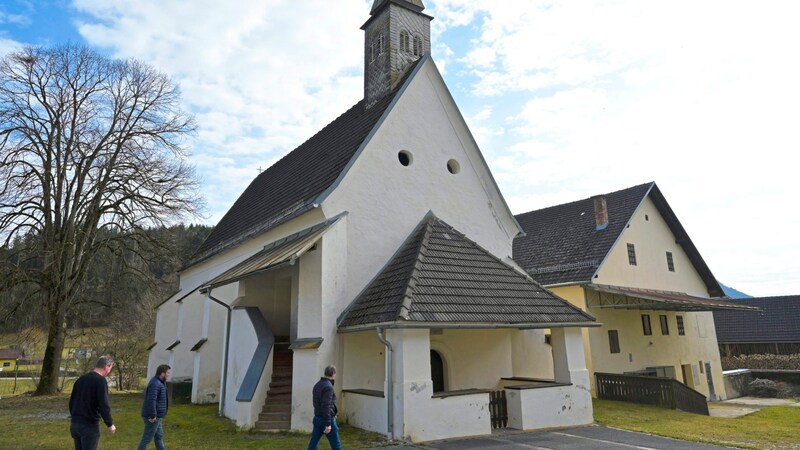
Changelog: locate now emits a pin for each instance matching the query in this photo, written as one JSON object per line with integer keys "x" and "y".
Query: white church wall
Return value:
{"x": 387, "y": 200}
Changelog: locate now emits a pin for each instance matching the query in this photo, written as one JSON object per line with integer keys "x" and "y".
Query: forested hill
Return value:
{"x": 128, "y": 280}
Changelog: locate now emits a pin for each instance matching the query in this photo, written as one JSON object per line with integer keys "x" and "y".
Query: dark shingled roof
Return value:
{"x": 778, "y": 321}
{"x": 440, "y": 277}
{"x": 289, "y": 187}
{"x": 562, "y": 244}
{"x": 9, "y": 353}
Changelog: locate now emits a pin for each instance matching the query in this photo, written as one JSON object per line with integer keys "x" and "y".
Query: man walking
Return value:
{"x": 154, "y": 408}
{"x": 325, "y": 411}
{"x": 88, "y": 403}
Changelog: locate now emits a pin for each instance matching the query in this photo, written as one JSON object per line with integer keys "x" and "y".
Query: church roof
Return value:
{"x": 439, "y": 277}
{"x": 291, "y": 186}
{"x": 563, "y": 245}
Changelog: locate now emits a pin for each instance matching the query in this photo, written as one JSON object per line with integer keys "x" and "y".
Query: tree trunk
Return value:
{"x": 48, "y": 381}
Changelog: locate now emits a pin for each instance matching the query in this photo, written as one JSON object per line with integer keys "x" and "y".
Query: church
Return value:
{"x": 381, "y": 245}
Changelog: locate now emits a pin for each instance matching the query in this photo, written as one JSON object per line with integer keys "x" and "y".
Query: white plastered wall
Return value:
{"x": 321, "y": 297}
{"x": 387, "y": 200}
{"x": 418, "y": 416}
{"x": 164, "y": 336}
{"x": 189, "y": 323}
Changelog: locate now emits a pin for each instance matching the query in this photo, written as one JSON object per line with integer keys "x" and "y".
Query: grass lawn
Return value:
{"x": 42, "y": 423}
{"x": 771, "y": 428}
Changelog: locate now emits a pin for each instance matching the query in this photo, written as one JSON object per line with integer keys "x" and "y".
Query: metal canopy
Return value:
{"x": 275, "y": 255}
{"x": 619, "y": 297}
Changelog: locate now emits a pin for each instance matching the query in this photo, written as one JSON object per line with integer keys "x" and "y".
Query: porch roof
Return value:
{"x": 439, "y": 279}
{"x": 276, "y": 254}
{"x": 620, "y": 297}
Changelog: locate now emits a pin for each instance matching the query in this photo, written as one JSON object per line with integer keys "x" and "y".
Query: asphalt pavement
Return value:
{"x": 579, "y": 438}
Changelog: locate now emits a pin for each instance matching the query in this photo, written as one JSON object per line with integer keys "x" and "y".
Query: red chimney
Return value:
{"x": 600, "y": 212}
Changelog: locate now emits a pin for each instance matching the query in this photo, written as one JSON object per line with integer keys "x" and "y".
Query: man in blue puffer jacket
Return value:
{"x": 324, "y": 399}
{"x": 154, "y": 408}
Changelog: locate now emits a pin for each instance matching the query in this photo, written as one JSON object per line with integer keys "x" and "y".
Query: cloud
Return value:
{"x": 261, "y": 76}
{"x": 565, "y": 99}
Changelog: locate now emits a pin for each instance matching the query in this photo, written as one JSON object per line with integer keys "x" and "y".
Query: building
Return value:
{"x": 625, "y": 258}
{"x": 774, "y": 329}
{"x": 382, "y": 245}
{"x": 9, "y": 359}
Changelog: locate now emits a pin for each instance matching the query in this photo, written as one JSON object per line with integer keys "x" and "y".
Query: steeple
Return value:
{"x": 396, "y": 34}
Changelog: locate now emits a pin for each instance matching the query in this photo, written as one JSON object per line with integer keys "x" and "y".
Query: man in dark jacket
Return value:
{"x": 154, "y": 408}
{"x": 87, "y": 403}
{"x": 325, "y": 411}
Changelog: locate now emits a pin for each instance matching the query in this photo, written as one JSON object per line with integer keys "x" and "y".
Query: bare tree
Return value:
{"x": 91, "y": 153}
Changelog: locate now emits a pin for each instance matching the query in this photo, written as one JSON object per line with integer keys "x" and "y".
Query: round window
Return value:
{"x": 453, "y": 166}
{"x": 404, "y": 157}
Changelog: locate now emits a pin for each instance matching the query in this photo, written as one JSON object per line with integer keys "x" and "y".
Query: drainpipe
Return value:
{"x": 227, "y": 347}
{"x": 389, "y": 382}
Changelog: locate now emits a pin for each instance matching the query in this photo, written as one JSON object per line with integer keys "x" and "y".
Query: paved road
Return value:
{"x": 584, "y": 438}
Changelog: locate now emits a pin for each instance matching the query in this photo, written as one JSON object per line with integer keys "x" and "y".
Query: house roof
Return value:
{"x": 652, "y": 299}
{"x": 439, "y": 277}
{"x": 778, "y": 321}
{"x": 291, "y": 186}
{"x": 563, "y": 245}
{"x": 9, "y": 353}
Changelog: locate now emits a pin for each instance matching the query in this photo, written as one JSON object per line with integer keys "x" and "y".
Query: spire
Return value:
{"x": 396, "y": 34}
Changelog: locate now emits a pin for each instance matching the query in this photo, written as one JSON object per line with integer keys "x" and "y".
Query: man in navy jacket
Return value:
{"x": 325, "y": 410}
{"x": 154, "y": 408}
{"x": 88, "y": 403}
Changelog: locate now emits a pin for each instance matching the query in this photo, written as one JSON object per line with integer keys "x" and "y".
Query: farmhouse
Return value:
{"x": 625, "y": 258}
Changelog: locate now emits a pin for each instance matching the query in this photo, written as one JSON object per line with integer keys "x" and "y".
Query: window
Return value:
{"x": 453, "y": 166}
{"x": 646, "y": 325}
{"x": 405, "y": 43}
{"x": 664, "y": 325}
{"x": 613, "y": 341}
{"x": 380, "y": 44}
{"x": 372, "y": 51}
{"x": 681, "y": 330}
{"x": 670, "y": 263}
{"x": 404, "y": 157}
{"x": 6, "y": 364}
{"x": 417, "y": 46}
{"x": 631, "y": 255}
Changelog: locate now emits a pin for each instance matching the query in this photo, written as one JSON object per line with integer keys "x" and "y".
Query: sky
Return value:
{"x": 566, "y": 99}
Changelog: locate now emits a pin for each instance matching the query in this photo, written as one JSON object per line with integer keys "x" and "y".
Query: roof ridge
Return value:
{"x": 584, "y": 199}
{"x": 405, "y": 307}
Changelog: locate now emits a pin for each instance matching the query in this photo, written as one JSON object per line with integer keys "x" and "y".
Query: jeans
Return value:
{"x": 86, "y": 436}
{"x": 317, "y": 433}
{"x": 152, "y": 431}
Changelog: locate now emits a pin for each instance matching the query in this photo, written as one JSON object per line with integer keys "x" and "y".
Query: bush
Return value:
{"x": 763, "y": 362}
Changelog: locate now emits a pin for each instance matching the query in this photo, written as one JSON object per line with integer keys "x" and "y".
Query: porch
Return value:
{"x": 447, "y": 383}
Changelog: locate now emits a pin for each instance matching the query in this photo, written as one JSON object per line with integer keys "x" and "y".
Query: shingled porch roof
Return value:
{"x": 439, "y": 279}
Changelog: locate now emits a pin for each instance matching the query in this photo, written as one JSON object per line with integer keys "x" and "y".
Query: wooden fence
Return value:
{"x": 498, "y": 409}
{"x": 663, "y": 392}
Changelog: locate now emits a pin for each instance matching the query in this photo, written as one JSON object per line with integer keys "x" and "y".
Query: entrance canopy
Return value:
{"x": 620, "y": 297}
{"x": 281, "y": 253}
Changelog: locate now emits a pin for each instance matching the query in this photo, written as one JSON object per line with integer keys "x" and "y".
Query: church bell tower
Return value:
{"x": 396, "y": 34}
